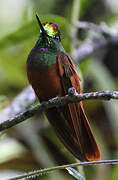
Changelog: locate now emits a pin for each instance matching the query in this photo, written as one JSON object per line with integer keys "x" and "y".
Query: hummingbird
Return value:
{"x": 51, "y": 72}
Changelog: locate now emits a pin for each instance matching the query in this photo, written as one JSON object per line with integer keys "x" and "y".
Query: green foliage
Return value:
{"x": 30, "y": 30}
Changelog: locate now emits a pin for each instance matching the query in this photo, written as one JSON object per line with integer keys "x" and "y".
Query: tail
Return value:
{"x": 78, "y": 137}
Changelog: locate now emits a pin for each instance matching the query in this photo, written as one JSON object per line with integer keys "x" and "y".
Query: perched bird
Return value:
{"x": 51, "y": 72}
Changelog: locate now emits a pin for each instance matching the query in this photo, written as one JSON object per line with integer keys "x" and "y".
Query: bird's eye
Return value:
{"x": 57, "y": 38}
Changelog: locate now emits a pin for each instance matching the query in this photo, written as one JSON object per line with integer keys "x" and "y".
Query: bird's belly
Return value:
{"x": 46, "y": 83}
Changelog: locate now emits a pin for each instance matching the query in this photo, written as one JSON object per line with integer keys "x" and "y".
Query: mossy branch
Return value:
{"x": 71, "y": 97}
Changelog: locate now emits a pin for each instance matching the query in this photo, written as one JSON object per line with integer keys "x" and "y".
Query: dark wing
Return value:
{"x": 70, "y": 121}
{"x": 75, "y": 111}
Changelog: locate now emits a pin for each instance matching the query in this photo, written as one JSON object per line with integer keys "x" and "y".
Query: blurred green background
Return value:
{"x": 33, "y": 144}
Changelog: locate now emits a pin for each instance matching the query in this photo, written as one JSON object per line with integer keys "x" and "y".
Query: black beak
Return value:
{"x": 41, "y": 26}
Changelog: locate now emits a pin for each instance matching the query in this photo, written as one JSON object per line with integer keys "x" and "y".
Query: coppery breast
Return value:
{"x": 46, "y": 83}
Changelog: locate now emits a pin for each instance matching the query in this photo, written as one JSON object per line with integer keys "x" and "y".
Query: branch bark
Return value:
{"x": 72, "y": 96}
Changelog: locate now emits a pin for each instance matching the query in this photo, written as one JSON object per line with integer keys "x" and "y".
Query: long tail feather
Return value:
{"x": 64, "y": 133}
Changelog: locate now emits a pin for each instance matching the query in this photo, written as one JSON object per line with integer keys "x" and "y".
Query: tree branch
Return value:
{"x": 87, "y": 49}
{"x": 102, "y": 28}
{"x": 19, "y": 103}
{"x": 47, "y": 170}
{"x": 72, "y": 96}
